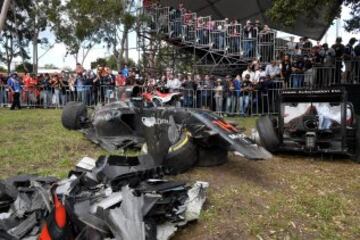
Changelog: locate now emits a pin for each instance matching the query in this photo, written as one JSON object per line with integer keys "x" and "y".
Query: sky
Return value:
{"x": 57, "y": 55}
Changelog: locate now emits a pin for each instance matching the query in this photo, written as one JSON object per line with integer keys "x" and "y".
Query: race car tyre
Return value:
{"x": 73, "y": 114}
{"x": 210, "y": 157}
{"x": 182, "y": 155}
{"x": 267, "y": 133}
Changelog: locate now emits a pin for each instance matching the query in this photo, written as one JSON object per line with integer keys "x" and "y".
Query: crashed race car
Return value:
{"x": 175, "y": 137}
{"x": 322, "y": 121}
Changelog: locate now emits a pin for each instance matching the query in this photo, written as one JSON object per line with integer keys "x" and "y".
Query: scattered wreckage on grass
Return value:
{"x": 119, "y": 197}
{"x": 112, "y": 198}
{"x": 175, "y": 137}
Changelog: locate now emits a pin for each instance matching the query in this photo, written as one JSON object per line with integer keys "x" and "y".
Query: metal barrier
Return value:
{"x": 234, "y": 33}
{"x": 218, "y": 35}
{"x": 266, "y": 43}
{"x": 352, "y": 72}
{"x": 188, "y": 27}
{"x": 202, "y": 31}
{"x": 175, "y": 24}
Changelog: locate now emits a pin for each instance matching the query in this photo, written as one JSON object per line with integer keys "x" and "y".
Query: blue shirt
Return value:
{"x": 237, "y": 86}
{"x": 14, "y": 84}
{"x": 125, "y": 72}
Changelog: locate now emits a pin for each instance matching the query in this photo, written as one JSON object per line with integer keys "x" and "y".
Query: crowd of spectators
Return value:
{"x": 295, "y": 64}
{"x": 55, "y": 90}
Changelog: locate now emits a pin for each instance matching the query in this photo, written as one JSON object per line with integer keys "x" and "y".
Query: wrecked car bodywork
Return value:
{"x": 111, "y": 198}
{"x": 124, "y": 125}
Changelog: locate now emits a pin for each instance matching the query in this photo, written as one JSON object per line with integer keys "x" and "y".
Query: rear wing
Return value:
{"x": 320, "y": 95}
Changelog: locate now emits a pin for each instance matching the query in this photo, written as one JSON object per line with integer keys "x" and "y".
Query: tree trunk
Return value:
{"x": 3, "y": 14}
{"x": 35, "y": 52}
{"x": 122, "y": 45}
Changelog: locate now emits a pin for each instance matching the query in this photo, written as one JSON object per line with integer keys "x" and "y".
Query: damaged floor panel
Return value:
{"x": 111, "y": 198}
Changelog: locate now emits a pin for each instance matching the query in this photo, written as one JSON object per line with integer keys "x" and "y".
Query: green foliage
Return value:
{"x": 286, "y": 12}
{"x": 26, "y": 67}
{"x": 353, "y": 24}
{"x": 111, "y": 63}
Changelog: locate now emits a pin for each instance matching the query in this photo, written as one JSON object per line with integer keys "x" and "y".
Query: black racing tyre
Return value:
{"x": 210, "y": 157}
{"x": 73, "y": 114}
{"x": 182, "y": 155}
{"x": 267, "y": 133}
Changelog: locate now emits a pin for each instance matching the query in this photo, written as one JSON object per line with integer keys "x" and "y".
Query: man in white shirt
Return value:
{"x": 173, "y": 83}
{"x": 272, "y": 70}
{"x": 249, "y": 71}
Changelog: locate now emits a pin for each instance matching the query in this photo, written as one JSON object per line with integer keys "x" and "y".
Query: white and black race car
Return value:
{"x": 324, "y": 121}
{"x": 175, "y": 137}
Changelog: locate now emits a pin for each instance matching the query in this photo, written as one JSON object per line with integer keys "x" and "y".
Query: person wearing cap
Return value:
{"x": 250, "y": 35}
{"x": 14, "y": 86}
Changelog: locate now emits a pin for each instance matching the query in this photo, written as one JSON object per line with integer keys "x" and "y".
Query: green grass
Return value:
{"x": 288, "y": 197}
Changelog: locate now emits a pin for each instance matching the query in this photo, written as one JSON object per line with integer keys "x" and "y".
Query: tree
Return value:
{"x": 15, "y": 37}
{"x": 26, "y": 67}
{"x": 75, "y": 23}
{"x": 286, "y": 12}
{"x": 111, "y": 62}
{"x": 119, "y": 20}
{"x": 50, "y": 66}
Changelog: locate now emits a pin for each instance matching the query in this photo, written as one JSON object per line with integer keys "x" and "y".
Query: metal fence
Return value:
{"x": 254, "y": 102}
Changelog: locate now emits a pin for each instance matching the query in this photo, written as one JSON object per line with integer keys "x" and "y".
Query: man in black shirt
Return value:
{"x": 357, "y": 49}
{"x": 286, "y": 70}
{"x": 298, "y": 68}
{"x": 339, "y": 53}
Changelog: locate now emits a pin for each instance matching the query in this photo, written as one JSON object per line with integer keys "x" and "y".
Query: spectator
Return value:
{"x": 229, "y": 95}
{"x": 219, "y": 89}
{"x": 298, "y": 68}
{"x": 46, "y": 90}
{"x": 205, "y": 88}
{"x": 3, "y": 93}
{"x": 357, "y": 49}
{"x": 250, "y": 35}
{"x": 286, "y": 70}
{"x": 80, "y": 87}
{"x": 291, "y": 46}
{"x": 327, "y": 55}
{"x": 339, "y": 49}
{"x": 266, "y": 39}
{"x": 189, "y": 89}
{"x": 246, "y": 89}
{"x": 173, "y": 84}
{"x": 249, "y": 71}
{"x": 273, "y": 70}
{"x": 237, "y": 88}
{"x": 307, "y": 45}
{"x": 14, "y": 86}
{"x": 56, "y": 84}
{"x": 349, "y": 54}
{"x": 125, "y": 71}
